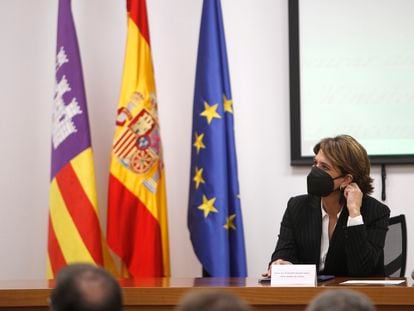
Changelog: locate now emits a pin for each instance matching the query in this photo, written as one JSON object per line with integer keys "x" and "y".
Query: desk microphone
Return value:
{"x": 412, "y": 275}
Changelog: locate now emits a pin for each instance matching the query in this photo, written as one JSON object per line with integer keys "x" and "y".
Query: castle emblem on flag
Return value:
{"x": 62, "y": 115}
{"x": 137, "y": 146}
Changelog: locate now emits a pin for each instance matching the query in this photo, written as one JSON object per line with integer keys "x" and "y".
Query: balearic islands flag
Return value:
{"x": 137, "y": 213}
{"x": 74, "y": 231}
{"x": 214, "y": 213}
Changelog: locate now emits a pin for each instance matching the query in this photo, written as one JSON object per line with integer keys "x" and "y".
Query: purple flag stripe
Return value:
{"x": 70, "y": 124}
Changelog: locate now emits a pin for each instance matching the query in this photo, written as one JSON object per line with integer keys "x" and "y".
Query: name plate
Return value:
{"x": 293, "y": 275}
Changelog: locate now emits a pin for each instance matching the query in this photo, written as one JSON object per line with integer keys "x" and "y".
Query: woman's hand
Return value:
{"x": 276, "y": 262}
{"x": 353, "y": 197}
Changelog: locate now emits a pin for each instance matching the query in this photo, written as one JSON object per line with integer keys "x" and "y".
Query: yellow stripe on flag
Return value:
{"x": 49, "y": 270}
{"x": 69, "y": 239}
{"x": 138, "y": 71}
{"x": 82, "y": 164}
{"x": 162, "y": 219}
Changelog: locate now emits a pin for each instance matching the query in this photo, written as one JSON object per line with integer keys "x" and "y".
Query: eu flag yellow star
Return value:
{"x": 210, "y": 112}
{"x": 198, "y": 143}
{"x": 228, "y": 104}
{"x": 198, "y": 177}
{"x": 208, "y": 206}
{"x": 230, "y": 222}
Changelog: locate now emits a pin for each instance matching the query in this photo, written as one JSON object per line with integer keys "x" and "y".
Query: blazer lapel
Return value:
{"x": 316, "y": 223}
{"x": 342, "y": 222}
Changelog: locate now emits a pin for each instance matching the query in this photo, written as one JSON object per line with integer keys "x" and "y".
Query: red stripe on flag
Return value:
{"x": 81, "y": 210}
{"x": 57, "y": 261}
{"x": 133, "y": 233}
{"x": 137, "y": 10}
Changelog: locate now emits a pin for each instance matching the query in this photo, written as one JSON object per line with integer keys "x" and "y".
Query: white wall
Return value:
{"x": 257, "y": 42}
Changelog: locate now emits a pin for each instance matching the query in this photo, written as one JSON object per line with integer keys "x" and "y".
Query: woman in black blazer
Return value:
{"x": 337, "y": 225}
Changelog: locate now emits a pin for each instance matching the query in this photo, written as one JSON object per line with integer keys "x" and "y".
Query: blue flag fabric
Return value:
{"x": 214, "y": 213}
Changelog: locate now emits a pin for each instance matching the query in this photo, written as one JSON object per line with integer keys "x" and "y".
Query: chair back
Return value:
{"x": 395, "y": 248}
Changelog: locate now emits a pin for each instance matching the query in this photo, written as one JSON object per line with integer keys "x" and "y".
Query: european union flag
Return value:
{"x": 214, "y": 213}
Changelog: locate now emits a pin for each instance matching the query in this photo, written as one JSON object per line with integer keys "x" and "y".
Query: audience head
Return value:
{"x": 350, "y": 157}
{"x": 84, "y": 287}
{"x": 341, "y": 300}
{"x": 212, "y": 300}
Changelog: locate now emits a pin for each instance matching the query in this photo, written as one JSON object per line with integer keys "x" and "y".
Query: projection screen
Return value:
{"x": 352, "y": 72}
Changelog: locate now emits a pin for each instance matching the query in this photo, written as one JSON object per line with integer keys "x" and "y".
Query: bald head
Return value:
{"x": 212, "y": 300}
{"x": 341, "y": 300}
{"x": 84, "y": 287}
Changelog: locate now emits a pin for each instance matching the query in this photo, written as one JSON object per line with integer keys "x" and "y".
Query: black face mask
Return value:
{"x": 320, "y": 183}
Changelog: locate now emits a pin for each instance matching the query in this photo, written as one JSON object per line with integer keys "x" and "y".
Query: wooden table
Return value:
{"x": 165, "y": 293}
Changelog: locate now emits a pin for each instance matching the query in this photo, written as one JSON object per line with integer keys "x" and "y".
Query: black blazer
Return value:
{"x": 353, "y": 251}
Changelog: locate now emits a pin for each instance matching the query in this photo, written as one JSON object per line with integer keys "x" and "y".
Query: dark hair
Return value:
{"x": 350, "y": 157}
{"x": 212, "y": 300}
{"x": 341, "y": 300}
{"x": 84, "y": 287}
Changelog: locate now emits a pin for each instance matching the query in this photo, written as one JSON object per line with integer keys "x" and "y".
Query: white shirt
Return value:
{"x": 352, "y": 221}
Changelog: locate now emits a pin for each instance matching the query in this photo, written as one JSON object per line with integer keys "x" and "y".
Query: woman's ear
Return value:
{"x": 348, "y": 179}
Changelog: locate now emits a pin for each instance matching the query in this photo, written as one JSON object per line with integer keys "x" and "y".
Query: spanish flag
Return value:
{"x": 74, "y": 230}
{"x": 137, "y": 213}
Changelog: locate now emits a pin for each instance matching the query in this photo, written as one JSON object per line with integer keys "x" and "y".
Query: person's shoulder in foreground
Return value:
{"x": 341, "y": 300}
{"x": 211, "y": 300}
{"x": 85, "y": 287}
